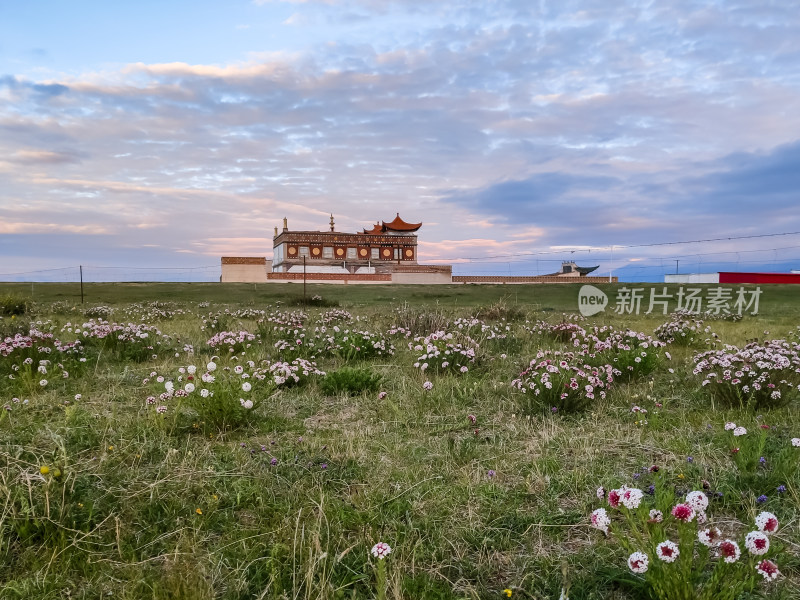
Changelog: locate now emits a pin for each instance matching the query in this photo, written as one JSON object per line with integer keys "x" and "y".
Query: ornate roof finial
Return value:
{"x": 331, "y": 221}
{"x": 276, "y": 231}
{"x": 285, "y": 224}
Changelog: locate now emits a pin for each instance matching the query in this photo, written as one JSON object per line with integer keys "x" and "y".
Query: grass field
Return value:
{"x": 481, "y": 491}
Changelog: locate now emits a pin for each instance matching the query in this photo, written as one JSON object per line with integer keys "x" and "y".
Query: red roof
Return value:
{"x": 376, "y": 229}
{"x": 399, "y": 225}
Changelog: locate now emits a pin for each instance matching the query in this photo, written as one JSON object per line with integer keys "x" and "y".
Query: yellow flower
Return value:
{"x": 680, "y": 475}
{"x": 56, "y": 472}
{"x": 507, "y": 592}
{"x": 44, "y": 470}
{"x": 198, "y": 511}
{"x": 111, "y": 447}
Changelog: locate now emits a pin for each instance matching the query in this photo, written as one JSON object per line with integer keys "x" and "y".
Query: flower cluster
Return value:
{"x": 553, "y": 379}
{"x": 235, "y": 341}
{"x": 651, "y": 538}
{"x": 442, "y": 351}
{"x": 682, "y": 329}
{"x": 756, "y": 376}
{"x": 297, "y": 372}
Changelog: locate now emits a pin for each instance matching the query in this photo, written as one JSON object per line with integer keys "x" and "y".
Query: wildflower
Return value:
{"x": 757, "y": 543}
{"x": 600, "y": 519}
{"x": 44, "y": 469}
{"x": 189, "y": 387}
{"x": 427, "y": 386}
{"x": 689, "y": 459}
{"x": 161, "y": 409}
{"x": 683, "y": 512}
{"x": 382, "y": 395}
{"x": 780, "y": 489}
{"x": 708, "y": 537}
{"x": 729, "y": 550}
{"x": 78, "y": 396}
{"x": 637, "y": 562}
{"x": 490, "y": 473}
{"x": 472, "y": 419}
{"x": 796, "y": 442}
{"x": 212, "y": 366}
{"x": 730, "y": 426}
{"x": 632, "y": 497}
{"x": 507, "y": 592}
{"x": 246, "y": 387}
{"x": 381, "y": 550}
{"x": 761, "y": 499}
{"x": 273, "y": 462}
{"x": 767, "y": 522}
{"x": 697, "y": 500}
{"x": 43, "y": 383}
{"x": 768, "y": 569}
{"x": 667, "y": 551}
{"x": 247, "y": 404}
{"x": 198, "y": 511}
{"x": 656, "y": 516}
{"x": 739, "y": 431}
{"x": 614, "y": 497}
{"x": 601, "y": 492}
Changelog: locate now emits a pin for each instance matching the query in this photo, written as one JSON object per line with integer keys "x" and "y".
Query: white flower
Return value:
{"x": 729, "y": 426}
{"x": 78, "y": 396}
{"x": 238, "y": 369}
{"x": 204, "y": 393}
{"x": 637, "y": 562}
{"x": 708, "y": 537}
{"x": 667, "y": 551}
{"x": 729, "y": 550}
{"x": 739, "y": 431}
{"x": 212, "y": 366}
{"x": 768, "y": 569}
{"x": 427, "y": 385}
{"x": 632, "y": 497}
{"x": 169, "y": 386}
{"x": 767, "y": 522}
{"x": 381, "y": 550}
{"x": 600, "y": 519}
{"x": 757, "y": 543}
{"x": 189, "y": 387}
{"x": 656, "y": 516}
{"x": 246, "y": 387}
{"x": 796, "y": 442}
{"x": 248, "y": 404}
{"x": 191, "y": 369}
{"x": 697, "y": 500}
{"x": 43, "y": 382}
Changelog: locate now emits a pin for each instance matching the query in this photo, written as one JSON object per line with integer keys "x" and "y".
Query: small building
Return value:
{"x": 245, "y": 269}
{"x": 733, "y": 277}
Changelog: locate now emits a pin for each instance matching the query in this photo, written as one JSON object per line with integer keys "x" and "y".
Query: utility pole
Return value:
{"x": 304, "y": 280}
{"x": 611, "y": 268}
{"x": 81, "y": 269}
{"x": 677, "y": 262}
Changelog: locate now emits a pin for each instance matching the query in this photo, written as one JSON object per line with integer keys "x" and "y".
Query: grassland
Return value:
{"x": 476, "y": 488}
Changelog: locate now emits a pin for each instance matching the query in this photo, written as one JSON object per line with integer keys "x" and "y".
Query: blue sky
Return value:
{"x": 521, "y": 133}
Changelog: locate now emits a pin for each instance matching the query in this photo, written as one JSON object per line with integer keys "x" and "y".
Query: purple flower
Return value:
{"x": 651, "y": 490}
{"x": 491, "y": 473}
{"x": 636, "y": 475}
{"x": 554, "y": 410}
{"x": 324, "y": 466}
{"x": 273, "y": 462}
{"x": 780, "y": 489}
{"x": 689, "y": 459}
{"x": 762, "y": 499}
{"x": 762, "y": 460}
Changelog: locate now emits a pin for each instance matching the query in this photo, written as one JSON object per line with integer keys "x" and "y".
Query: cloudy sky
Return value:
{"x": 158, "y": 134}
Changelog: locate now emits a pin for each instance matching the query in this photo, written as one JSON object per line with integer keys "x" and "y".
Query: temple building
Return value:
{"x": 381, "y": 249}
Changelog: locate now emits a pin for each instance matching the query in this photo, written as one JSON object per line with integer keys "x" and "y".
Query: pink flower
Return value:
{"x": 614, "y": 497}
{"x": 601, "y": 492}
{"x": 757, "y": 543}
{"x": 381, "y": 550}
{"x": 729, "y": 550}
{"x": 767, "y": 522}
{"x": 632, "y": 497}
{"x": 427, "y": 386}
{"x": 600, "y": 519}
{"x": 683, "y": 512}
{"x": 382, "y": 395}
{"x": 768, "y": 569}
{"x": 667, "y": 551}
{"x": 637, "y": 562}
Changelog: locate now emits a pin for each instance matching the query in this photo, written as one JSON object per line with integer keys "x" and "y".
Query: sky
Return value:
{"x": 149, "y": 139}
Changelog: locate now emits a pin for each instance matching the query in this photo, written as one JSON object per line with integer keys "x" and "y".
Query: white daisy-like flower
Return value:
{"x": 204, "y": 393}
{"x": 43, "y": 382}
{"x": 381, "y": 550}
{"x": 191, "y": 369}
{"x": 729, "y": 426}
{"x": 637, "y": 562}
{"x": 739, "y": 431}
{"x": 668, "y": 551}
{"x": 189, "y": 387}
{"x": 246, "y": 387}
{"x": 656, "y": 516}
{"x": 212, "y": 366}
{"x": 796, "y": 442}
{"x": 169, "y": 386}
{"x": 248, "y": 404}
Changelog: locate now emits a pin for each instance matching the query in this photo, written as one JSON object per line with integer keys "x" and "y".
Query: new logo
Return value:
{"x": 591, "y": 300}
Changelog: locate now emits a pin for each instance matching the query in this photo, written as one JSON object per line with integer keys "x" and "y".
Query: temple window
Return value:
{"x": 327, "y": 252}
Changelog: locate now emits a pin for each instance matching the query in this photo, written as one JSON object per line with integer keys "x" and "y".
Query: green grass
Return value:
{"x": 141, "y": 510}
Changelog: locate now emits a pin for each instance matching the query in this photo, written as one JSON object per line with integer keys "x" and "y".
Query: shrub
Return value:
{"x": 443, "y": 352}
{"x": 316, "y": 300}
{"x": 553, "y": 381}
{"x": 683, "y": 329}
{"x": 98, "y": 312}
{"x": 13, "y": 305}
{"x": 756, "y": 376}
{"x": 350, "y": 381}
